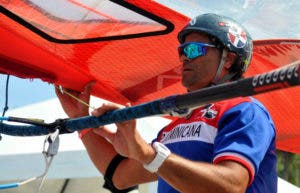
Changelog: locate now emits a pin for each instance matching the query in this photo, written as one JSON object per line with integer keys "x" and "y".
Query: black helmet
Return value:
{"x": 229, "y": 34}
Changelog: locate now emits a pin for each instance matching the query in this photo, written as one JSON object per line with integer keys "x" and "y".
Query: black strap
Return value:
{"x": 113, "y": 166}
{"x": 109, "y": 175}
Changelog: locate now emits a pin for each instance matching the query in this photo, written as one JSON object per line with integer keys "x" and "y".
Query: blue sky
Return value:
{"x": 24, "y": 91}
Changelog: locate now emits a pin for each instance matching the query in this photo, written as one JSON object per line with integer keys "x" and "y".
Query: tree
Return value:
{"x": 288, "y": 167}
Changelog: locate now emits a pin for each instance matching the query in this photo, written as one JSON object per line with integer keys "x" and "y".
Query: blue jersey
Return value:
{"x": 238, "y": 129}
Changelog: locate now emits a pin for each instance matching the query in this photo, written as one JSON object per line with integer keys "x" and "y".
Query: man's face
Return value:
{"x": 199, "y": 72}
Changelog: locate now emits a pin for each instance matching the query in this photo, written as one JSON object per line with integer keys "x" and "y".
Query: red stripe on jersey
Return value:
{"x": 240, "y": 160}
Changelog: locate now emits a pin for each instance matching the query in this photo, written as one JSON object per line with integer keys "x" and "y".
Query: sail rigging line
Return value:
{"x": 64, "y": 91}
{"x": 5, "y": 109}
{"x": 50, "y": 149}
{"x": 6, "y": 96}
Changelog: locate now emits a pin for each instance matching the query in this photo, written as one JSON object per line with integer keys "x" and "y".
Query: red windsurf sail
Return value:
{"x": 128, "y": 48}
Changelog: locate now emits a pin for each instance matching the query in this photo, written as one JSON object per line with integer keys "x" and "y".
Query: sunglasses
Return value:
{"x": 193, "y": 49}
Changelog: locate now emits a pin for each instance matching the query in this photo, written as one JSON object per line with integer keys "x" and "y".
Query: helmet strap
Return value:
{"x": 217, "y": 79}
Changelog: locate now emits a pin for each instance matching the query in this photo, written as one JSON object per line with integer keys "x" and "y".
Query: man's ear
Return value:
{"x": 230, "y": 59}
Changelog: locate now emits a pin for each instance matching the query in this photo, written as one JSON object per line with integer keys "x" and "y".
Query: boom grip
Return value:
{"x": 282, "y": 78}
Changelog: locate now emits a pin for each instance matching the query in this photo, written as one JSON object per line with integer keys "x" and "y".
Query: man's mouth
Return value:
{"x": 185, "y": 69}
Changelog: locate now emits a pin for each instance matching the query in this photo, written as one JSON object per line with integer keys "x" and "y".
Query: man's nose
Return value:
{"x": 184, "y": 59}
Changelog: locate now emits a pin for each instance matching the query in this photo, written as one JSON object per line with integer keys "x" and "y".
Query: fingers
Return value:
{"x": 57, "y": 90}
{"x": 60, "y": 95}
{"x": 85, "y": 94}
{"x": 129, "y": 123}
{"x": 128, "y": 105}
{"x": 61, "y": 91}
{"x": 105, "y": 108}
{"x": 105, "y": 132}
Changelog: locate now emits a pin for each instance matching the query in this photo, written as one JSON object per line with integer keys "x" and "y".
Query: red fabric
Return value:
{"x": 140, "y": 69}
{"x": 282, "y": 104}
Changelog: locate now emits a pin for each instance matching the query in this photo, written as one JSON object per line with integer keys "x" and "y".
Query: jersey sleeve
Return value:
{"x": 245, "y": 133}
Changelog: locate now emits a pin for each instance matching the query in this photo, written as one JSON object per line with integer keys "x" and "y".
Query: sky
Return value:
{"x": 24, "y": 91}
{"x": 265, "y": 19}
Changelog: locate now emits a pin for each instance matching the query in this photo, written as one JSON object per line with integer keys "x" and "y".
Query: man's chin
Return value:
{"x": 186, "y": 84}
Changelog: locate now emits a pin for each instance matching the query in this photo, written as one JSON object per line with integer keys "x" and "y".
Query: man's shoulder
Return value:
{"x": 225, "y": 105}
{"x": 234, "y": 101}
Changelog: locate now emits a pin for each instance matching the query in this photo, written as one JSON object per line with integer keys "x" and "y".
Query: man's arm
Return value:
{"x": 128, "y": 173}
{"x": 189, "y": 176}
{"x": 184, "y": 175}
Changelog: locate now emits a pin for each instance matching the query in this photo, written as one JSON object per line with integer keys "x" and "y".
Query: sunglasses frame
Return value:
{"x": 201, "y": 49}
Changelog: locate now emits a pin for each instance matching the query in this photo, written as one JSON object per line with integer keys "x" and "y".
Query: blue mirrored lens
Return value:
{"x": 193, "y": 49}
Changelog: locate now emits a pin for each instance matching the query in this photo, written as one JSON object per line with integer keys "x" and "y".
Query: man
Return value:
{"x": 228, "y": 146}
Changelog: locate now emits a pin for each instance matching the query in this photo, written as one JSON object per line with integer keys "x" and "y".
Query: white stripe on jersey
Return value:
{"x": 195, "y": 131}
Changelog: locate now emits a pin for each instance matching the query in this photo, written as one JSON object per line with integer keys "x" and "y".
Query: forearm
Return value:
{"x": 189, "y": 176}
{"x": 131, "y": 172}
{"x": 128, "y": 173}
{"x": 99, "y": 150}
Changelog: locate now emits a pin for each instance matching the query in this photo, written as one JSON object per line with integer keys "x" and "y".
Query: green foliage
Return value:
{"x": 288, "y": 167}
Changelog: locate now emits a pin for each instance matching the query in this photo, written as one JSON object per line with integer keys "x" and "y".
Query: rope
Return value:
{"x": 6, "y": 100}
{"x": 74, "y": 97}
